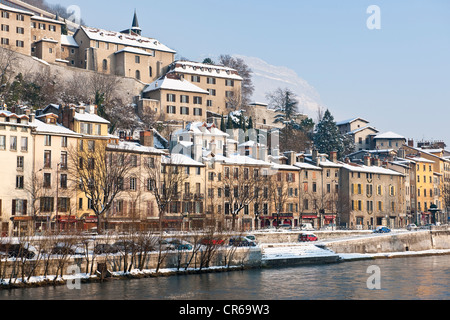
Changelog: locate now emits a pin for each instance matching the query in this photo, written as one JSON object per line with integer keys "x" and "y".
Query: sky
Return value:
{"x": 397, "y": 76}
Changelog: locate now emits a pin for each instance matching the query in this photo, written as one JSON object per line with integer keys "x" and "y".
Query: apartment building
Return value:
{"x": 174, "y": 99}
{"x": 223, "y": 84}
{"x": 361, "y": 132}
{"x": 53, "y": 192}
{"x": 17, "y": 159}
{"x": 374, "y": 196}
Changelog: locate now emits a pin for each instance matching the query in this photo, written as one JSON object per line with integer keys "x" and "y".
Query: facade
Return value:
{"x": 361, "y": 132}
{"x": 175, "y": 99}
{"x": 388, "y": 140}
{"x": 222, "y": 84}
{"x": 375, "y": 196}
{"x": 17, "y": 159}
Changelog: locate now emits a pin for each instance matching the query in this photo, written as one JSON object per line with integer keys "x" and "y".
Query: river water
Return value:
{"x": 425, "y": 278}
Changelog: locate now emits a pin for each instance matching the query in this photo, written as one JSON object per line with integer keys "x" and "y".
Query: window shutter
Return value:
{"x": 13, "y": 208}
{"x": 24, "y": 208}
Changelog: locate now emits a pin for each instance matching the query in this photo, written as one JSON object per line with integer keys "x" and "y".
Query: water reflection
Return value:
{"x": 401, "y": 278}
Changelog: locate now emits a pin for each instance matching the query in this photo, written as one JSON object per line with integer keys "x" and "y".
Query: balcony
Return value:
{"x": 199, "y": 197}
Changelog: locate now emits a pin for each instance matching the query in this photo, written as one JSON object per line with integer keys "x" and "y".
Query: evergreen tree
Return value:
{"x": 230, "y": 124}
{"x": 327, "y": 137}
{"x": 222, "y": 124}
{"x": 250, "y": 123}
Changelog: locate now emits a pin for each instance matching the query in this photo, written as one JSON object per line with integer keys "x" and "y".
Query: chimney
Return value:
{"x": 333, "y": 156}
{"x": 315, "y": 154}
{"x": 291, "y": 157}
{"x": 213, "y": 147}
{"x": 411, "y": 143}
{"x": 146, "y": 138}
{"x": 367, "y": 161}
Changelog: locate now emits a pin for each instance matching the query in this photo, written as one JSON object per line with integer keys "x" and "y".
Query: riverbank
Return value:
{"x": 352, "y": 246}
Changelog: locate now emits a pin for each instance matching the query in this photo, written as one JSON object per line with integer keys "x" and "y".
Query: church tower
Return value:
{"x": 135, "y": 25}
{"x": 135, "y": 29}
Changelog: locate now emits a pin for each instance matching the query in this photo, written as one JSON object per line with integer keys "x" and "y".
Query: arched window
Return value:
{"x": 138, "y": 75}
{"x": 105, "y": 64}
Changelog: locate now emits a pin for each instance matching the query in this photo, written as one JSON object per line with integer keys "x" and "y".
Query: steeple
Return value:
{"x": 135, "y": 25}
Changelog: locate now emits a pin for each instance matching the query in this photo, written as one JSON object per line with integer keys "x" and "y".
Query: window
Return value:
{"x": 198, "y": 112}
{"x": 63, "y": 181}
{"x": 51, "y": 28}
{"x": 20, "y": 17}
{"x": 5, "y": 28}
{"x": 2, "y": 142}
{"x": 212, "y": 92}
{"x": 24, "y": 144}
{"x": 19, "y": 207}
{"x": 133, "y": 184}
{"x": 47, "y": 159}
{"x": 209, "y": 103}
{"x": 47, "y": 180}
{"x": 63, "y": 204}
{"x": 20, "y": 30}
{"x": 105, "y": 64}
{"x": 197, "y": 100}
{"x": 64, "y": 142}
{"x": 138, "y": 75}
{"x": 13, "y": 143}
{"x": 229, "y": 83}
{"x": 5, "y": 14}
{"x": 184, "y": 99}
{"x": 63, "y": 160}
{"x": 171, "y": 97}
{"x": 20, "y": 163}
{"x": 19, "y": 182}
{"x": 46, "y": 204}
{"x": 195, "y": 78}
{"x": 171, "y": 109}
{"x": 137, "y": 59}
{"x": 184, "y": 110}
{"x": 210, "y": 80}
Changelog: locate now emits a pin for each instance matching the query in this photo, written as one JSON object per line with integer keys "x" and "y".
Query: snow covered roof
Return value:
{"x": 202, "y": 69}
{"x": 67, "y": 40}
{"x": 389, "y": 135}
{"x": 177, "y": 159}
{"x": 8, "y": 8}
{"x": 89, "y": 117}
{"x": 340, "y": 123}
{"x": 284, "y": 167}
{"x": 363, "y": 128}
{"x": 134, "y": 50}
{"x": 369, "y": 169}
{"x": 46, "y": 19}
{"x": 241, "y": 160}
{"x": 42, "y": 127}
{"x": 304, "y": 165}
{"x": 420, "y": 159}
{"x": 124, "y": 39}
{"x": 135, "y": 147}
{"x": 167, "y": 83}
{"x": 201, "y": 128}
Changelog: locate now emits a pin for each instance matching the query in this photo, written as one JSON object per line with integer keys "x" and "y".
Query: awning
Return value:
{"x": 309, "y": 217}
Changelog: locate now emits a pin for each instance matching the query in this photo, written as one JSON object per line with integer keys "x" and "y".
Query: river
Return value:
{"x": 423, "y": 277}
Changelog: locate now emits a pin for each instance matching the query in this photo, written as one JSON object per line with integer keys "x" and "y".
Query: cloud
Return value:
{"x": 267, "y": 78}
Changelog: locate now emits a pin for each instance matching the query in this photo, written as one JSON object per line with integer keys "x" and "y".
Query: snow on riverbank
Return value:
{"x": 290, "y": 251}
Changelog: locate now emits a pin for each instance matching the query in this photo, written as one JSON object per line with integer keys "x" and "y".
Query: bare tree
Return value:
{"x": 99, "y": 173}
{"x": 244, "y": 71}
{"x": 239, "y": 190}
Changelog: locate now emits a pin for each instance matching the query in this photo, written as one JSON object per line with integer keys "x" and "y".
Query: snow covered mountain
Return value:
{"x": 267, "y": 78}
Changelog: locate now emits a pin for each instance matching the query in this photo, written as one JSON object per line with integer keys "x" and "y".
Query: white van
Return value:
{"x": 307, "y": 227}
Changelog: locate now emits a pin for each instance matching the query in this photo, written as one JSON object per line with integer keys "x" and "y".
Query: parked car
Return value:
{"x": 102, "y": 248}
{"x": 306, "y": 227}
{"x": 212, "y": 241}
{"x": 251, "y": 237}
{"x": 411, "y": 226}
{"x": 285, "y": 226}
{"x": 125, "y": 245}
{"x": 67, "y": 249}
{"x": 241, "y": 242}
{"x": 382, "y": 230}
{"x": 307, "y": 237}
{"x": 18, "y": 251}
{"x": 172, "y": 244}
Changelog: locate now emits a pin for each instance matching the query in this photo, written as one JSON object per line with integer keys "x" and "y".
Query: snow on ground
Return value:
{"x": 276, "y": 251}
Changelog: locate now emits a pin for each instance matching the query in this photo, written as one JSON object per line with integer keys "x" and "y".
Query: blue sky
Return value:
{"x": 397, "y": 77}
